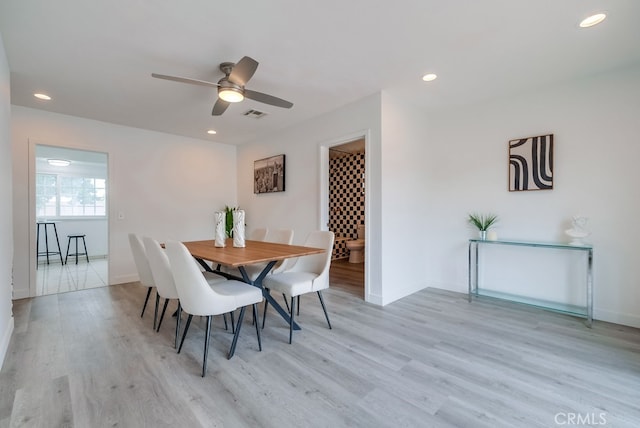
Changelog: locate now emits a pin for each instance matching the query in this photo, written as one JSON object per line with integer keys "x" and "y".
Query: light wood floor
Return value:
{"x": 347, "y": 276}
{"x": 87, "y": 359}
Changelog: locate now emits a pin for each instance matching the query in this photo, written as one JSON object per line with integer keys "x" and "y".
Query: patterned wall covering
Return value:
{"x": 346, "y": 199}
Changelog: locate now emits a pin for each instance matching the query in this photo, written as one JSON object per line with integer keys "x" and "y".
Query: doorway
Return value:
{"x": 70, "y": 206}
{"x": 347, "y": 214}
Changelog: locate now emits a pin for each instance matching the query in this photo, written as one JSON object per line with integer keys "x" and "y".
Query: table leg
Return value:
{"x": 258, "y": 283}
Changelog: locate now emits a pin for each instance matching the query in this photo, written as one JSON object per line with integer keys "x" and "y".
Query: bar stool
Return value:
{"x": 76, "y": 237}
{"x": 47, "y": 253}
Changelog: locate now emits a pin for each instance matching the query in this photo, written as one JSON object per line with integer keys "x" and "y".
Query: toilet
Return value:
{"x": 356, "y": 247}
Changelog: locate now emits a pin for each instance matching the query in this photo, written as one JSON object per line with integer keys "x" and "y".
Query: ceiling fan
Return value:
{"x": 231, "y": 87}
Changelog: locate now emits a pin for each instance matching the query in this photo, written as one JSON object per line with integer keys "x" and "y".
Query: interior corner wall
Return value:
{"x": 160, "y": 185}
{"x": 6, "y": 210}
{"x": 298, "y": 206}
{"x": 405, "y": 198}
{"x": 596, "y": 128}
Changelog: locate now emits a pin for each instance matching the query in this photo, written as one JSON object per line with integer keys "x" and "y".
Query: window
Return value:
{"x": 68, "y": 196}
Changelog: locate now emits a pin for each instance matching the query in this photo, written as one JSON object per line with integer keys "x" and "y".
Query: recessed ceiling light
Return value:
{"x": 58, "y": 162}
{"x": 42, "y": 97}
{"x": 592, "y": 20}
{"x": 211, "y": 131}
{"x": 429, "y": 77}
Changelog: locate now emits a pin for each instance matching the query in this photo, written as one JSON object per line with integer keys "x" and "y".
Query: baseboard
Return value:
{"x": 6, "y": 338}
{"x": 616, "y": 318}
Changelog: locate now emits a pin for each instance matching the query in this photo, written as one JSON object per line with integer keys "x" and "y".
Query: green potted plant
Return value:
{"x": 229, "y": 220}
{"x": 482, "y": 222}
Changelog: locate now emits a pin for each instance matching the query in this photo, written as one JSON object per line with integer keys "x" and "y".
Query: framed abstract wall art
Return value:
{"x": 268, "y": 175}
{"x": 531, "y": 163}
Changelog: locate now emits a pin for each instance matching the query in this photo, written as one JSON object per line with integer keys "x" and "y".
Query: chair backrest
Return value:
{"x": 281, "y": 236}
{"x": 160, "y": 269}
{"x": 195, "y": 294}
{"x": 140, "y": 259}
{"x": 316, "y": 263}
{"x": 259, "y": 234}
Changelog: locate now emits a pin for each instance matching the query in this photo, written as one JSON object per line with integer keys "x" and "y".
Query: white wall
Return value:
{"x": 164, "y": 185}
{"x": 299, "y": 206}
{"x": 6, "y": 231}
{"x": 427, "y": 170}
{"x": 597, "y": 147}
{"x": 405, "y": 201}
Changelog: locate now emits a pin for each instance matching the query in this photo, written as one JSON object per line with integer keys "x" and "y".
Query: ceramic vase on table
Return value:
{"x": 482, "y": 235}
{"x": 220, "y": 232}
{"x": 238, "y": 228}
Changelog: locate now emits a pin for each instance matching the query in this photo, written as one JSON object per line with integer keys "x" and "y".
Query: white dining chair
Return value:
{"x": 307, "y": 274}
{"x": 142, "y": 265}
{"x": 165, "y": 287}
{"x": 259, "y": 234}
{"x": 198, "y": 298}
{"x": 280, "y": 236}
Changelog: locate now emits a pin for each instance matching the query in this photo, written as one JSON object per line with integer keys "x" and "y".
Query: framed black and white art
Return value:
{"x": 531, "y": 163}
{"x": 268, "y": 175}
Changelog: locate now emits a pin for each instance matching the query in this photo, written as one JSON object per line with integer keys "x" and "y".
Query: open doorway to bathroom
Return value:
{"x": 70, "y": 209}
{"x": 346, "y": 216}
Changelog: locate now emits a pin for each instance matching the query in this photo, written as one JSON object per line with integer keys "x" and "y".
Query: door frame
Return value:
{"x": 32, "y": 205}
{"x": 324, "y": 191}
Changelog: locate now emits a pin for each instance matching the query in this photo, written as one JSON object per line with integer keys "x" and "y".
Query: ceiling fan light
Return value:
{"x": 58, "y": 162}
{"x": 230, "y": 95}
{"x": 592, "y": 20}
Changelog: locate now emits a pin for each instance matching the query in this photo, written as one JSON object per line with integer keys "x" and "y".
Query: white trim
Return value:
{"x": 6, "y": 338}
{"x": 32, "y": 205}
{"x": 631, "y": 320}
{"x": 324, "y": 197}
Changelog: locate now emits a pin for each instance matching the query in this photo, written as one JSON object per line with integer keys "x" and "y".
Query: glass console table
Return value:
{"x": 582, "y": 311}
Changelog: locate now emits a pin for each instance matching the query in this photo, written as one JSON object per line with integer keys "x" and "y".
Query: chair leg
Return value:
{"x": 324, "y": 308}
{"x": 178, "y": 320}
{"x": 264, "y": 314}
{"x": 286, "y": 302}
{"x": 236, "y": 334}
{"x": 207, "y": 340}
{"x": 298, "y": 308}
{"x": 155, "y": 314}
{"x": 164, "y": 309}
{"x": 293, "y": 309}
{"x": 233, "y": 327}
{"x": 255, "y": 321}
{"x": 224, "y": 317}
{"x": 145, "y": 302}
{"x": 184, "y": 334}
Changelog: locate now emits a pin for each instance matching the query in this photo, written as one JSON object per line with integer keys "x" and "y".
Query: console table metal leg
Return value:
{"x": 470, "y": 272}
{"x": 590, "y": 288}
{"x": 473, "y": 269}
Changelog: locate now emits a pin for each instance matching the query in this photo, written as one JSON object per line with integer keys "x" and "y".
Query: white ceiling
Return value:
{"x": 95, "y": 58}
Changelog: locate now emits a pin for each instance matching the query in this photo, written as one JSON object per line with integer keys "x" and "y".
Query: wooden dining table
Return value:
{"x": 254, "y": 252}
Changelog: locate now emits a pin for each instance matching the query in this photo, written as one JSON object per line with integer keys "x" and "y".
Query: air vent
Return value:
{"x": 256, "y": 114}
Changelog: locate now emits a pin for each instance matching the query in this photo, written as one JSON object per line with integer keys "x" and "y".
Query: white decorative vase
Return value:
{"x": 220, "y": 233}
{"x": 238, "y": 228}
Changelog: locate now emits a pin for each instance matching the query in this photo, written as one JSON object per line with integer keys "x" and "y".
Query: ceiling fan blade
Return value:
{"x": 219, "y": 107}
{"x": 267, "y": 99}
{"x": 243, "y": 71}
{"x": 185, "y": 80}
